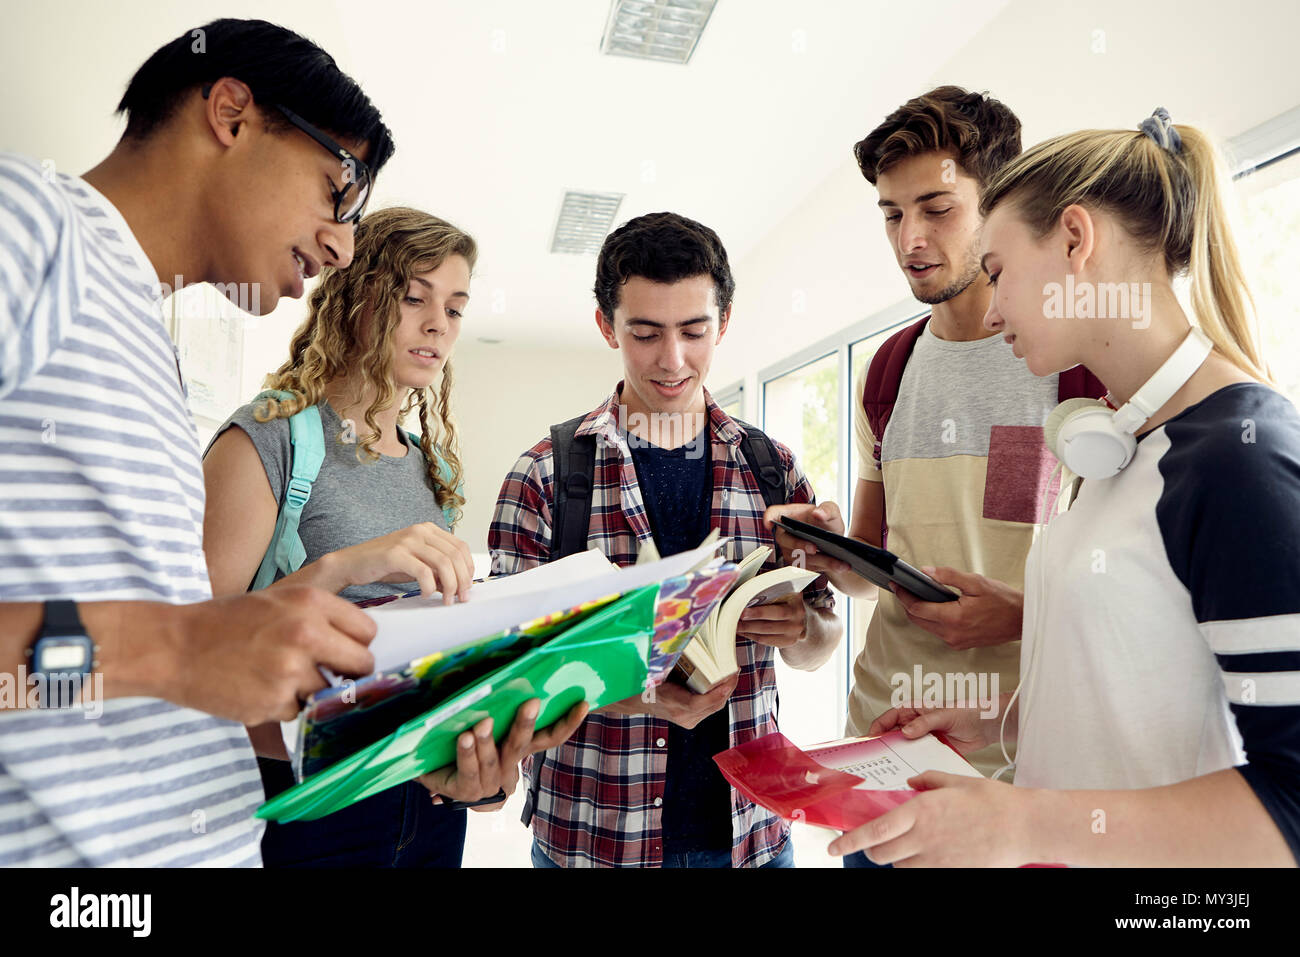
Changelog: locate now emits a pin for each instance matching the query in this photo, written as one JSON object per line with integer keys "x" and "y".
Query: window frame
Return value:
{"x": 735, "y": 392}
{"x": 841, "y": 345}
{"x": 1261, "y": 146}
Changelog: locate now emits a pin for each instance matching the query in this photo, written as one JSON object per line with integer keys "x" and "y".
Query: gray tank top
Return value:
{"x": 351, "y": 501}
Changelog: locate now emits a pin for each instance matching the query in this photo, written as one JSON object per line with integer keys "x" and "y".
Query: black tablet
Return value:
{"x": 874, "y": 564}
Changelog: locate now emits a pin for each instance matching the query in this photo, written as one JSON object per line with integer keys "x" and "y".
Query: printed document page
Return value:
{"x": 885, "y": 763}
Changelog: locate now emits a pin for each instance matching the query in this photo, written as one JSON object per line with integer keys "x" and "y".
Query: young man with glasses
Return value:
{"x": 103, "y": 583}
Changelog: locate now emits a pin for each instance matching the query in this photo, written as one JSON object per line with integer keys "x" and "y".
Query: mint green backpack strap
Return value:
{"x": 307, "y": 453}
{"x": 444, "y": 472}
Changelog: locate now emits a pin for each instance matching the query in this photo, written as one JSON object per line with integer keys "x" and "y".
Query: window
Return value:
{"x": 801, "y": 409}
{"x": 1268, "y": 236}
{"x": 807, "y": 405}
{"x": 208, "y": 331}
{"x": 731, "y": 400}
{"x": 860, "y": 355}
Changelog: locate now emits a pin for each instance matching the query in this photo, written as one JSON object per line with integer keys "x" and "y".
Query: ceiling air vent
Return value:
{"x": 664, "y": 30}
{"x": 585, "y": 219}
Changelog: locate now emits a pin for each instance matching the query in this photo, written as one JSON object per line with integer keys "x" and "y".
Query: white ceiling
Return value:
{"x": 499, "y": 106}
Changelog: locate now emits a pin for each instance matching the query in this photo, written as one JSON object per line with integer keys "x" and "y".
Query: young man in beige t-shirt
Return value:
{"x": 954, "y": 479}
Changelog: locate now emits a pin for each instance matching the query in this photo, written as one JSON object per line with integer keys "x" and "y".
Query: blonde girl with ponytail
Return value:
{"x": 375, "y": 348}
{"x": 1157, "y": 719}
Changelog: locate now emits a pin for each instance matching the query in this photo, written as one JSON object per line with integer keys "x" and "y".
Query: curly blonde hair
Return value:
{"x": 349, "y": 332}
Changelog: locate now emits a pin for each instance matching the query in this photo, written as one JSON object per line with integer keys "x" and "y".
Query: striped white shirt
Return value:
{"x": 101, "y": 498}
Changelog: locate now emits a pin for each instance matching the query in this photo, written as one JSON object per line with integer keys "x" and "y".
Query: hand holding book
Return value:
{"x": 483, "y": 769}
{"x": 953, "y": 820}
{"x": 435, "y": 559}
{"x": 779, "y": 624}
{"x": 677, "y": 704}
{"x": 964, "y": 729}
{"x": 773, "y": 602}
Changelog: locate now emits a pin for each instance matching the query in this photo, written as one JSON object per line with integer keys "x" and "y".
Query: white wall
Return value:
{"x": 266, "y": 342}
{"x": 505, "y": 400}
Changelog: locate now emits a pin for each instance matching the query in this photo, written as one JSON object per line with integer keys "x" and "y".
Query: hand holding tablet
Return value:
{"x": 874, "y": 564}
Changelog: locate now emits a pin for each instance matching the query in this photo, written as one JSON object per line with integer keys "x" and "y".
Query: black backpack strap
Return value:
{"x": 765, "y": 464}
{"x": 572, "y": 483}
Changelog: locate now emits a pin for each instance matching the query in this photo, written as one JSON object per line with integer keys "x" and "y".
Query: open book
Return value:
{"x": 711, "y": 654}
{"x": 841, "y": 784}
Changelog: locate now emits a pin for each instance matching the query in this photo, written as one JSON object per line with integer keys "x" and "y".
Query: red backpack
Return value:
{"x": 886, "y": 372}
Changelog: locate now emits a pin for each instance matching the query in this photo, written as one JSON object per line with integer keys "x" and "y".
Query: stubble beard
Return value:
{"x": 969, "y": 274}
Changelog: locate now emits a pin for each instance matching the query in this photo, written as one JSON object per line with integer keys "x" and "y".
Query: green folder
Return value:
{"x": 600, "y": 660}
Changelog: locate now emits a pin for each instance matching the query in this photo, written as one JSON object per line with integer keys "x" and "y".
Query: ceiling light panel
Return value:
{"x": 584, "y": 221}
{"x": 664, "y": 30}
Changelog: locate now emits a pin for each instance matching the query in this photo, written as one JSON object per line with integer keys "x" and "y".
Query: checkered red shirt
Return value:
{"x": 599, "y": 801}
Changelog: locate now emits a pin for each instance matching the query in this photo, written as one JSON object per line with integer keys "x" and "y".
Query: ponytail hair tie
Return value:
{"x": 1159, "y": 128}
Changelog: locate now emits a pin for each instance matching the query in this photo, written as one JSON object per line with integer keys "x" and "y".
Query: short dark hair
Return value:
{"x": 661, "y": 247}
{"x": 982, "y": 131}
{"x": 278, "y": 66}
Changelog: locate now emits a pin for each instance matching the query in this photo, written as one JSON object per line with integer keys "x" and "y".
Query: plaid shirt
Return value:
{"x": 600, "y": 794}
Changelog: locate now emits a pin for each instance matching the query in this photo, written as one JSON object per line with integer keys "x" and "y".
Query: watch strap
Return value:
{"x": 61, "y": 618}
{"x": 461, "y": 805}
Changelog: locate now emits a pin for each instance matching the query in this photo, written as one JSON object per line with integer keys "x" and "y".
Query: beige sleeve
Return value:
{"x": 863, "y": 440}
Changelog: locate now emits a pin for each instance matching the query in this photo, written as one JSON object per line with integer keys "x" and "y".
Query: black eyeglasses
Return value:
{"x": 350, "y": 201}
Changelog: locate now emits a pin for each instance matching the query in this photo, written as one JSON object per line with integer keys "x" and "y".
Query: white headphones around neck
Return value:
{"x": 1096, "y": 443}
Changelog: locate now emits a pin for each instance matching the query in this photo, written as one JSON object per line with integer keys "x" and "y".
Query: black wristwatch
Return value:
{"x": 63, "y": 656}
{"x": 462, "y": 805}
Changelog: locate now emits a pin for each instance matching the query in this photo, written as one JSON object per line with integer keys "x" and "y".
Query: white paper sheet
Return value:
{"x": 885, "y": 763}
{"x": 415, "y": 627}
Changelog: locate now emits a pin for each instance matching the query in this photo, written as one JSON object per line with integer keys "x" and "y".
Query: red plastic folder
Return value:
{"x": 774, "y": 774}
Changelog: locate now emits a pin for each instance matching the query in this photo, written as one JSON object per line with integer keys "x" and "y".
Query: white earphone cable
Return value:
{"x": 1046, "y": 517}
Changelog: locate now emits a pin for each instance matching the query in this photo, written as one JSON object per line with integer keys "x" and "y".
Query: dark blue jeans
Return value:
{"x": 860, "y": 859}
{"x": 400, "y": 827}
{"x": 694, "y": 859}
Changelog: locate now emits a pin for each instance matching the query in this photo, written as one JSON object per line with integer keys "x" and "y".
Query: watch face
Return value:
{"x": 63, "y": 655}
